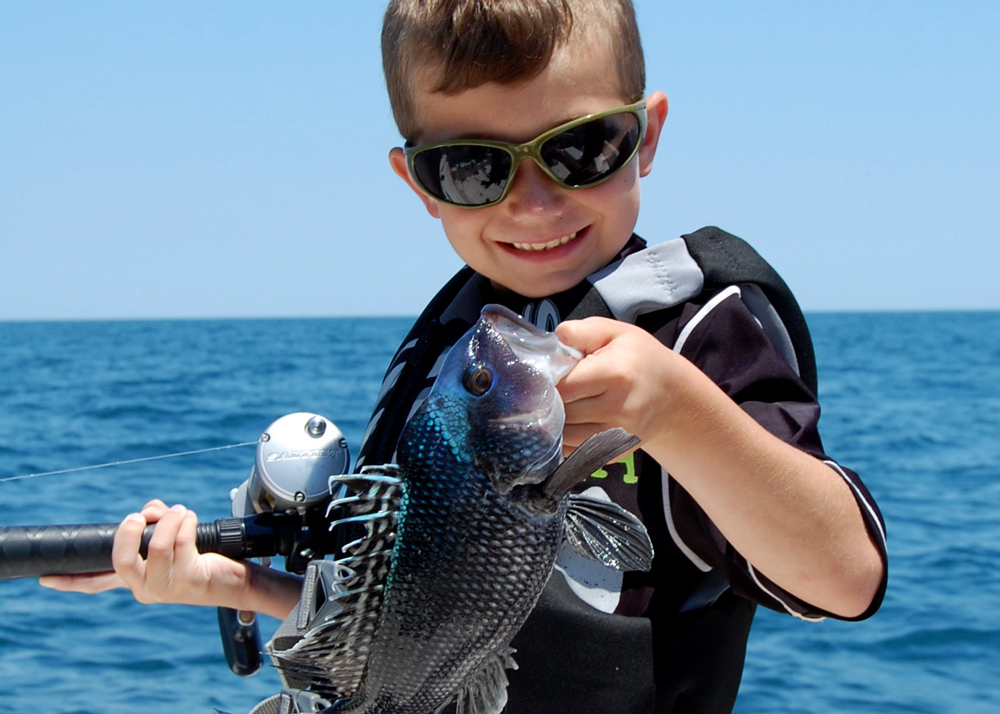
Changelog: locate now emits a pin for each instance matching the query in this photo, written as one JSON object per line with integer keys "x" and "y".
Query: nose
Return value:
{"x": 533, "y": 191}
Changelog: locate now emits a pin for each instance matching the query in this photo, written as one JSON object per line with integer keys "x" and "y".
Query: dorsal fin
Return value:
{"x": 325, "y": 642}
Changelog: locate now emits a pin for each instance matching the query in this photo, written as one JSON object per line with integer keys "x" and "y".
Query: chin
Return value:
{"x": 538, "y": 288}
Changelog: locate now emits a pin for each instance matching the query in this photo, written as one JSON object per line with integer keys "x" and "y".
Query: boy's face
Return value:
{"x": 542, "y": 238}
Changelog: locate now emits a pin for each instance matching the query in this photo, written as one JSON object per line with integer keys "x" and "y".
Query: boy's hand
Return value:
{"x": 790, "y": 515}
{"x": 173, "y": 571}
{"x": 625, "y": 379}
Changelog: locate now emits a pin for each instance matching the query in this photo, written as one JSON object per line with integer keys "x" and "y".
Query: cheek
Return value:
{"x": 617, "y": 200}
{"x": 464, "y": 229}
{"x": 629, "y": 184}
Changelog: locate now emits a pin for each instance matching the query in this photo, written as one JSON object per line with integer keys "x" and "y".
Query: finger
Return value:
{"x": 89, "y": 584}
{"x": 584, "y": 382}
{"x": 154, "y": 510}
{"x": 586, "y": 400}
{"x": 590, "y": 334}
{"x": 160, "y": 553}
{"x": 125, "y": 556}
{"x": 185, "y": 549}
{"x": 576, "y": 434}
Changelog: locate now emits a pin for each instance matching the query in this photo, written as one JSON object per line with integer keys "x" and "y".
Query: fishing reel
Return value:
{"x": 296, "y": 456}
{"x": 279, "y": 510}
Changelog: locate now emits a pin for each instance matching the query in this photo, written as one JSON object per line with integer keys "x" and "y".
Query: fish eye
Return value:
{"x": 477, "y": 380}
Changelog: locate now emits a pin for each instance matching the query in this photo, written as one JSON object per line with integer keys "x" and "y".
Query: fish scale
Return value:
{"x": 452, "y": 602}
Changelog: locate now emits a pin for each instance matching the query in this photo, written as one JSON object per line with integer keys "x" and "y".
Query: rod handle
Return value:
{"x": 33, "y": 551}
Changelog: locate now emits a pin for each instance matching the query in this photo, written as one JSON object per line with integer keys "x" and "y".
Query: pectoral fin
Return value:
{"x": 606, "y": 532}
{"x": 595, "y": 452}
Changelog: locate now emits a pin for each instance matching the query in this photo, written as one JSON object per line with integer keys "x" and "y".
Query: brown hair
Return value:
{"x": 463, "y": 44}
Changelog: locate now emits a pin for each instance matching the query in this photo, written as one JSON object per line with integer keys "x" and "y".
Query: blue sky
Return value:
{"x": 227, "y": 159}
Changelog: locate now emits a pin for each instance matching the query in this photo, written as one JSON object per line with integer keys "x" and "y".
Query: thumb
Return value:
{"x": 590, "y": 334}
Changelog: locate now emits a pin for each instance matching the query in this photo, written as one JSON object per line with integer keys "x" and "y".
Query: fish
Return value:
{"x": 458, "y": 537}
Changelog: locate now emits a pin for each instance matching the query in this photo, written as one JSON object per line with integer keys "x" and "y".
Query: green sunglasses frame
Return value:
{"x": 531, "y": 150}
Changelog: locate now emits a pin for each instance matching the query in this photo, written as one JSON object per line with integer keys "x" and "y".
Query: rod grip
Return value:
{"x": 33, "y": 551}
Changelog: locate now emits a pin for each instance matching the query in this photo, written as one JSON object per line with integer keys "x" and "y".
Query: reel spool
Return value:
{"x": 295, "y": 458}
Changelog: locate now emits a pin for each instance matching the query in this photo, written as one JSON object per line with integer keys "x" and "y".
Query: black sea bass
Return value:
{"x": 460, "y": 537}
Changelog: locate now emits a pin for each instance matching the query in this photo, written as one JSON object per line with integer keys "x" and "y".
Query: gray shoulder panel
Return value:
{"x": 652, "y": 279}
{"x": 754, "y": 298}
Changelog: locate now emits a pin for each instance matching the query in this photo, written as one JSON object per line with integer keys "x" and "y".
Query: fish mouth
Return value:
{"x": 550, "y": 360}
{"x": 530, "y": 344}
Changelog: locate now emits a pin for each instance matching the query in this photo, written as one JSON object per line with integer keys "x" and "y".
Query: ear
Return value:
{"x": 397, "y": 159}
{"x": 656, "y": 117}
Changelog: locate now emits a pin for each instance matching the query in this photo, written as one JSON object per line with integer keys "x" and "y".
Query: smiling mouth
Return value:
{"x": 550, "y": 245}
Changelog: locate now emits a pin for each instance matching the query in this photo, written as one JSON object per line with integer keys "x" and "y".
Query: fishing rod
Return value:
{"x": 279, "y": 510}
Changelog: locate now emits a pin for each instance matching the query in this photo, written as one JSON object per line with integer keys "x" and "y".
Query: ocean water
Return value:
{"x": 911, "y": 401}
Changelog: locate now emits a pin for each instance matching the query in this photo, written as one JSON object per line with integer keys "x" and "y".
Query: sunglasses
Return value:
{"x": 473, "y": 173}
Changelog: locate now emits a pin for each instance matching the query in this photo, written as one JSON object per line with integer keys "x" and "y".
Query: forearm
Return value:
{"x": 270, "y": 592}
{"x": 791, "y": 516}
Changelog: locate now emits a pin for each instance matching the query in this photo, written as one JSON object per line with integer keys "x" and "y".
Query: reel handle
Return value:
{"x": 241, "y": 641}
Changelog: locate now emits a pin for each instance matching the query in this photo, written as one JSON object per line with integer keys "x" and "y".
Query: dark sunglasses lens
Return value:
{"x": 465, "y": 175}
{"x": 592, "y": 151}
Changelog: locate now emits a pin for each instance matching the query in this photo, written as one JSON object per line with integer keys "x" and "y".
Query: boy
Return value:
{"x": 730, "y": 478}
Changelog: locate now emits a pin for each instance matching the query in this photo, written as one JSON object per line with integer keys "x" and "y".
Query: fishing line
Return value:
{"x": 129, "y": 461}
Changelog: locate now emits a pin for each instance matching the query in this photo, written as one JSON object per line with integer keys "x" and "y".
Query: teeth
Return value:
{"x": 538, "y": 247}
